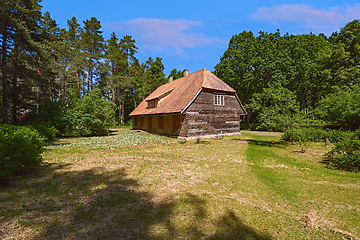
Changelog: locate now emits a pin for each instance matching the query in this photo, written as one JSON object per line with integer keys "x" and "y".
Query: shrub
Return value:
{"x": 51, "y": 113}
{"x": 345, "y": 155}
{"x": 356, "y": 135}
{"x": 20, "y": 150}
{"x": 275, "y": 109}
{"x": 46, "y": 130}
{"x": 341, "y": 107}
{"x": 91, "y": 115}
{"x": 317, "y": 135}
{"x": 128, "y": 124}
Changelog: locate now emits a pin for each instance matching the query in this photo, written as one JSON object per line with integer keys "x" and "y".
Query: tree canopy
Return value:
{"x": 43, "y": 63}
{"x": 274, "y": 74}
{"x": 309, "y": 71}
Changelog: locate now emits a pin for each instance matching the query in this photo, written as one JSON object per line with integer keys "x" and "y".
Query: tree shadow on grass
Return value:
{"x": 96, "y": 203}
{"x": 253, "y": 142}
{"x": 231, "y": 227}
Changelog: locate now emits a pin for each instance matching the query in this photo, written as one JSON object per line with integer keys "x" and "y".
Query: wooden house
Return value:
{"x": 198, "y": 104}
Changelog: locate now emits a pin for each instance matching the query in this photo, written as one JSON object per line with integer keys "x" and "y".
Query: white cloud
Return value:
{"x": 305, "y": 16}
{"x": 162, "y": 34}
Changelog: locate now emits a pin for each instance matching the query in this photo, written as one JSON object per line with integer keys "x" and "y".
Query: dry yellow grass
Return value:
{"x": 242, "y": 187}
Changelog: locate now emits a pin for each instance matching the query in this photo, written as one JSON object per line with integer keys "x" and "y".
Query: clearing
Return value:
{"x": 134, "y": 185}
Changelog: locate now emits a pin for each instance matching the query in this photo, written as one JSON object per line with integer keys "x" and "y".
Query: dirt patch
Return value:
{"x": 345, "y": 233}
{"x": 312, "y": 221}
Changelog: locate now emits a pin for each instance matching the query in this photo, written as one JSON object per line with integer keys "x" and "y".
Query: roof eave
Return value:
{"x": 245, "y": 113}
{"x": 219, "y": 90}
{"x": 187, "y": 106}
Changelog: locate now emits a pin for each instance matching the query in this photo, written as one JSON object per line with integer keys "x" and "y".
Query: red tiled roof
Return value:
{"x": 182, "y": 92}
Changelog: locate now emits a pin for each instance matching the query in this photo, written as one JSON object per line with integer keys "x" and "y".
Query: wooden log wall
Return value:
{"x": 203, "y": 117}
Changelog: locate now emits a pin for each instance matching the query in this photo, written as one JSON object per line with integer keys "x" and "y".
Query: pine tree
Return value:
{"x": 138, "y": 74}
{"x": 128, "y": 49}
{"x": 20, "y": 30}
{"x": 7, "y": 36}
{"x": 115, "y": 60}
{"x": 155, "y": 77}
{"x": 53, "y": 49}
{"x": 176, "y": 74}
{"x": 92, "y": 42}
{"x": 75, "y": 59}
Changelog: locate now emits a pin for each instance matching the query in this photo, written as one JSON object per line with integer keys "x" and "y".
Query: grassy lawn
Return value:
{"x": 134, "y": 185}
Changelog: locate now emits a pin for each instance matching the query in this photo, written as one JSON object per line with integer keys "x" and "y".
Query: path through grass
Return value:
{"x": 242, "y": 187}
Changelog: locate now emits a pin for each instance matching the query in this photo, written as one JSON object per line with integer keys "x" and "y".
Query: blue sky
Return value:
{"x": 194, "y": 34}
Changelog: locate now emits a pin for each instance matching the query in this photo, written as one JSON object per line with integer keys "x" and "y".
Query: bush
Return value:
{"x": 127, "y": 124}
{"x": 356, "y": 135}
{"x": 341, "y": 107}
{"x": 91, "y": 115}
{"x": 20, "y": 150}
{"x": 51, "y": 113}
{"x": 46, "y": 130}
{"x": 345, "y": 155}
{"x": 318, "y": 135}
{"x": 275, "y": 109}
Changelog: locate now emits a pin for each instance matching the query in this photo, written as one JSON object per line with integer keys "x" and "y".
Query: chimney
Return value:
{"x": 170, "y": 79}
{"x": 186, "y": 72}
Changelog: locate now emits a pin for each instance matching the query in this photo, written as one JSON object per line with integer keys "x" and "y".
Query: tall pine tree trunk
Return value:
{"x": 60, "y": 86}
{"x": 78, "y": 82}
{"x": 50, "y": 90}
{"x": 91, "y": 79}
{"x": 38, "y": 92}
{"x": 38, "y": 100}
{"x": 123, "y": 108}
{"x": 91, "y": 74}
{"x": 113, "y": 88}
{"x": 113, "y": 94}
{"x": 14, "y": 83}
{"x": 88, "y": 82}
{"x": 4, "y": 75}
{"x": 120, "y": 107}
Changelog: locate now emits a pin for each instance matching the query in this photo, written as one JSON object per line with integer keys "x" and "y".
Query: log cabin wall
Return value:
{"x": 164, "y": 124}
{"x": 203, "y": 117}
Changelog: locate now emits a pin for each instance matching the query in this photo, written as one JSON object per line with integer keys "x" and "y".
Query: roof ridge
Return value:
{"x": 203, "y": 80}
{"x": 203, "y": 77}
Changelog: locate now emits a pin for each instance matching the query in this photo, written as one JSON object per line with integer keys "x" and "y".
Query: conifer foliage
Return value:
{"x": 42, "y": 63}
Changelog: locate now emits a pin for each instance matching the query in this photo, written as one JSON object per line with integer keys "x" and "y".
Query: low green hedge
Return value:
{"x": 346, "y": 152}
{"x": 318, "y": 135}
{"x": 20, "y": 150}
{"x": 46, "y": 130}
{"x": 345, "y": 155}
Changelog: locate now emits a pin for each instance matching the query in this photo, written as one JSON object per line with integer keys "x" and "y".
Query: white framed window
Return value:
{"x": 219, "y": 100}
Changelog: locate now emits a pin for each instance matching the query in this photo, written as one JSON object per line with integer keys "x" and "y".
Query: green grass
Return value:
{"x": 143, "y": 186}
